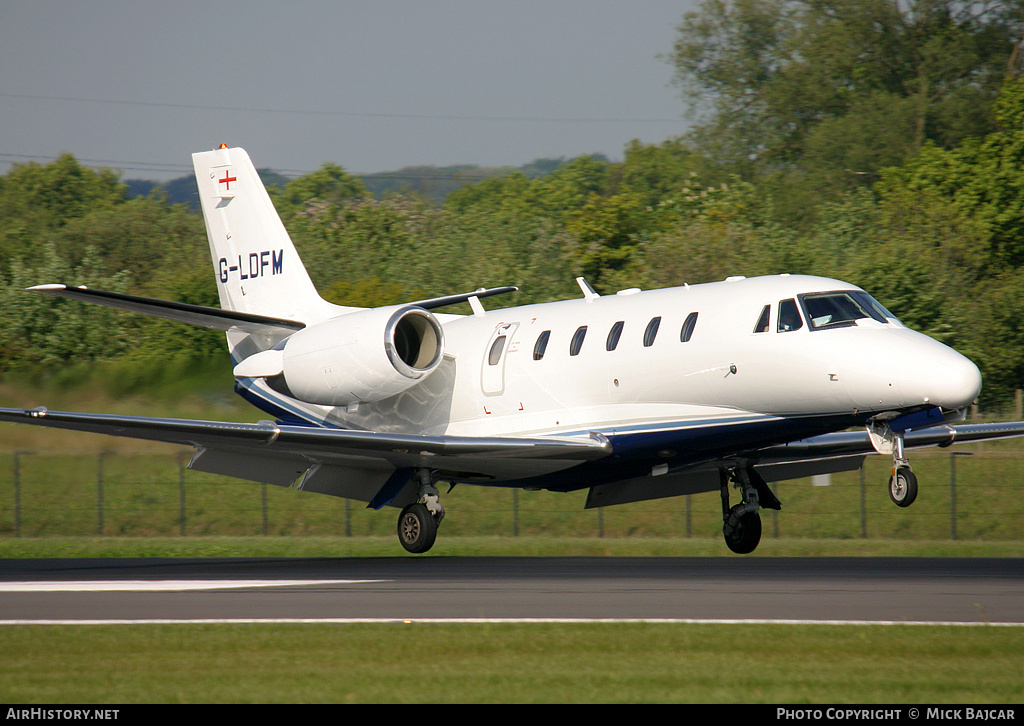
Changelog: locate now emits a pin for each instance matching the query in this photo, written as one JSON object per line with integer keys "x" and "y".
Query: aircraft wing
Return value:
{"x": 370, "y": 466}
{"x": 823, "y": 454}
{"x": 854, "y": 443}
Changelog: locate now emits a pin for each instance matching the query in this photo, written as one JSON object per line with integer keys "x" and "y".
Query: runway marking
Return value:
{"x": 514, "y": 621}
{"x": 162, "y": 585}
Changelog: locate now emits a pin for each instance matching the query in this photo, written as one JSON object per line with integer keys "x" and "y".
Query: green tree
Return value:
{"x": 829, "y": 93}
{"x": 981, "y": 178}
{"x": 38, "y": 199}
{"x": 38, "y": 329}
{"x": 330, "y": 184}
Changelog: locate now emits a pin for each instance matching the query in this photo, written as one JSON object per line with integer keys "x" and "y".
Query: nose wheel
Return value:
{"x": 903, "y": 486}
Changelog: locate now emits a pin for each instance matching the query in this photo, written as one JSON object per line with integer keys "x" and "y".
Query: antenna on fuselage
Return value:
{"x": 588, "y": 292}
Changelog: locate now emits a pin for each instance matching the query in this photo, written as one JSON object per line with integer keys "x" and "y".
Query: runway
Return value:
{"x": 730, "y": 589}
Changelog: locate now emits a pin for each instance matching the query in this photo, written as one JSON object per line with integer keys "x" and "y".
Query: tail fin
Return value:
{"x": 254, "y": 261}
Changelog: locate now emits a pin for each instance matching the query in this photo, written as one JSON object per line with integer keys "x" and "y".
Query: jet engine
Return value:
{"x": 358, "y": 357}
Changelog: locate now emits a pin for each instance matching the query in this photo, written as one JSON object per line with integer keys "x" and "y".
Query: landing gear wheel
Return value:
{"x": 903, "y": 487}
{"x": 417, "y": 528}
{"x": 745, "y": 534}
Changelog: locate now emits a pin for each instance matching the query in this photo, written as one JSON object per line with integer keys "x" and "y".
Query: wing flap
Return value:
{"x": 488, "y": 458}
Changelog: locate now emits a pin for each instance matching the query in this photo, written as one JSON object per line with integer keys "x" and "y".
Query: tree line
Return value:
{"x": 875, "y": 141}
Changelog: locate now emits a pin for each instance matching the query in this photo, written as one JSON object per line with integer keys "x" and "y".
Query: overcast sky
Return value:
{"x": 373, "y": 85}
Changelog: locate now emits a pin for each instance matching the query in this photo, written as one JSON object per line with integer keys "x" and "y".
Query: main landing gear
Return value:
{"x": 417, "y": 524}
{"x": 742, "y": 522}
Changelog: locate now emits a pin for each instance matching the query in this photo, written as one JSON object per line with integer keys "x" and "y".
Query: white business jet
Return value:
{"x": 634, "y": 396}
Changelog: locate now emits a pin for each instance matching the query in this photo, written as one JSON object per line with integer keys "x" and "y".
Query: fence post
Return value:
{"x": 181, "y": 493}
{"x": 17, "y": 491}
{"x": 952, "y": 490}
{"x": 263, "y": 506}
{"x": 99, "y": 490}
{"x": 515, "y": 512}
{"x": 863, "y": 505}
{"x": 775, "y": 512}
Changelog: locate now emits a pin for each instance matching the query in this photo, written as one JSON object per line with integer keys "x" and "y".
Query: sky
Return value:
{"x": 372, "y": 85}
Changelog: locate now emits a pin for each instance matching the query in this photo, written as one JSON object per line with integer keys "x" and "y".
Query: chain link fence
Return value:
{"x": 967, "y": 493}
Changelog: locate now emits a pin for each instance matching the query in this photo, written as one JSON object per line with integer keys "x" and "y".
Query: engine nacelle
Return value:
{"x": 359, "y": 357}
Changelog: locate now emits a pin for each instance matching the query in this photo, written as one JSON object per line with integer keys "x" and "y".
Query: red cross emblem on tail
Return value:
{"x": 226, "y": 181}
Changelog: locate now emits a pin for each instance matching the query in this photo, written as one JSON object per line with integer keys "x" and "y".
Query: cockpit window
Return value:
{"x": 762, "y": 322}
{"x": 789, "y": 316}
{"x": 841, "y": 309}
{"x": 875, "y": 308}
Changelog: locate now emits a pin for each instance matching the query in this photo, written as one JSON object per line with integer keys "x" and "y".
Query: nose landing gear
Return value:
{"x": 902, "y": 480}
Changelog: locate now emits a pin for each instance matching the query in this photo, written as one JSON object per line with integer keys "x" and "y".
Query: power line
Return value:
{"x": 354, "y": 114}
{"x": 469, "y": 175}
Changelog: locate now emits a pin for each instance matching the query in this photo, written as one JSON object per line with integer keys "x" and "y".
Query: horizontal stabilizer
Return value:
{"x": 206, "y": 317}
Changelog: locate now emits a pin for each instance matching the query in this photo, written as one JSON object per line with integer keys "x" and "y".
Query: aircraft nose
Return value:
{"x": 943, "y": 378}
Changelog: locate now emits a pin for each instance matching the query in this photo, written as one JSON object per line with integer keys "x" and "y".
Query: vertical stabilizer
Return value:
{"x": 254, "y": 261}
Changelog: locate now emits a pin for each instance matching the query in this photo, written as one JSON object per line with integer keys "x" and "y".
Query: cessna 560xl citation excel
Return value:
{"x": 634, "y": 396}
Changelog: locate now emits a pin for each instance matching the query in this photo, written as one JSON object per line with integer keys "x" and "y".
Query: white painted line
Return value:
{"x": 162, "y": 585}
{"x": 514, "y": 621}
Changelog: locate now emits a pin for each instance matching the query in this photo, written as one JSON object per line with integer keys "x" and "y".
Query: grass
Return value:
{"x": 70, "y": 484}
{"x": 470, "y": 546}
{"x": 499, "y": 663}
{"x": 131, "y": 493}
{"x": 151, "y": 507}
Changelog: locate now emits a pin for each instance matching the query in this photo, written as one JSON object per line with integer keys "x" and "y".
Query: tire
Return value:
{"x": 417, "y": 528}
{"x": 746, "y": 534}
{"x": 903, "y": 487}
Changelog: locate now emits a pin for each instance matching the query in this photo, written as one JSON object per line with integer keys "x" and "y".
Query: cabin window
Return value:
{"x": 494, "y": 356}
{"x": 762, "y": 322}
{"x": 651, "y": 332}
{"x": 688, "y": 325}
{"x": 789, "y": 316}
{"x": 541, "y": 345}
{"x": 613, "y": 336}
{"x": 577, "y": 340}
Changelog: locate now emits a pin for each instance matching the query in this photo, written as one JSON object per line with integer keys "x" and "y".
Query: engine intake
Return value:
{"x": 358, "y": 357}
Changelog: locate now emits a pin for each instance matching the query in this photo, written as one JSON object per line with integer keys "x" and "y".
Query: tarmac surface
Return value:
{"x": 920, "y": 590}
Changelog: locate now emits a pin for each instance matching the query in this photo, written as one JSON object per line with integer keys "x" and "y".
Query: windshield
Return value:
{"x": 840, "y": 309}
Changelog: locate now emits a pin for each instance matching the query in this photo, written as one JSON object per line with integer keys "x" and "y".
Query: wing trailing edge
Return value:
{"x": 233, "y": 448}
